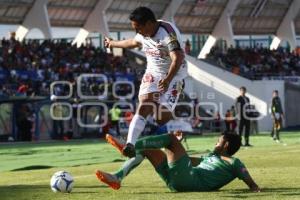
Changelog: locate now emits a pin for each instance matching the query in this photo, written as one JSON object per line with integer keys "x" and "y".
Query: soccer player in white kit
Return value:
{"x": 166, "y": 68}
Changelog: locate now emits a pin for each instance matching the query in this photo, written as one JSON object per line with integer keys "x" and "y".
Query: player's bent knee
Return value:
{"x": 146, "y": 109}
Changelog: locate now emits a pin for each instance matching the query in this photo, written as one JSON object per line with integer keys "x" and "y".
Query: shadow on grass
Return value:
{"x": 91, "y": 186}
{"x": 119, "y": 160}
{"x": 240, "y": 193}
{"x": 20, "y": 187}
{"x": 32, "y": 167}
{"x": 83, "y": 192}
{"x": 15, "y": 190}
{"x": 244, "y": 193}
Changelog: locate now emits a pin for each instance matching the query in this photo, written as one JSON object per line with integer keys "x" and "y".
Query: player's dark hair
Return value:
{"x": 141, "y": 15}
{"x": 234, "y": 142}
{"x": 243, "y": 88}
{"x": 276, "y": 91}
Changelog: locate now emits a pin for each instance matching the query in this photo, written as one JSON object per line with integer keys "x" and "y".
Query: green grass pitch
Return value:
{"x": 25, "y": 171}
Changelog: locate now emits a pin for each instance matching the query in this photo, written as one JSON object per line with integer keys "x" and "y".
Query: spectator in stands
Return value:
{"x": 228, "y": 120}
{"x": 3, "y": 92}
{"x": 128, "y": 116}
{"x": 254, "y": 121}
{"x": 58, "y": 123}
{"x": 187, "y": 47}
{"x": 277, "y": 116}
{"x": 233, "y": 116}
{"x": 242, "y": 110}
{"x": 257, "y": 62}
{"x": 75, "y": 129}
{"x": 197, "y": 124}
{"x": 217, "y": 121}
{"x": 48, "y": 61}
{"x": 22, "y": 90}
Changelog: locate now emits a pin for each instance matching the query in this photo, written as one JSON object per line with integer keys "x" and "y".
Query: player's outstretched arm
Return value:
{"x": 251, "y": 184}
{"x": 129, "y": 43}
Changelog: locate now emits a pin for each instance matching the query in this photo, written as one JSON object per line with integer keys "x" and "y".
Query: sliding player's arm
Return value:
{"x": 251, "y": 184}
{"x": 242, "y": 173}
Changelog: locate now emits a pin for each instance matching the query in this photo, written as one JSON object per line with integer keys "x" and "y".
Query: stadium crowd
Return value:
{"x": 30, "y": 67}
{"x": 258, "y": 62}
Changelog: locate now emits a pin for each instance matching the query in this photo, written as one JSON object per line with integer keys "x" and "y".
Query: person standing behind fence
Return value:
{"x": 233, "y": 121}
{"x": 24, "y": 123}
{"x": 254, "y": 120}
{"x": 228, "y": 120}
{"x": 115, "y": 113}
{"x": 241, "y": 105}
{"x": 277, "y": 116}
{"x": 58, "y": 122}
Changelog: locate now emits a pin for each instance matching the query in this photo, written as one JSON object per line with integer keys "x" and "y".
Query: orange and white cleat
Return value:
{"x": 109, "y": 179}
{"x": 115, "y": 142}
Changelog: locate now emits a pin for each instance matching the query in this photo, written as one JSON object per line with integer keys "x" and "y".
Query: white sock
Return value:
{"x": 136, "y": 127}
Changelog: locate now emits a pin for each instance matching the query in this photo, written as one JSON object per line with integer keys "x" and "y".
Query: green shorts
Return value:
{"x": 178, "y": 175}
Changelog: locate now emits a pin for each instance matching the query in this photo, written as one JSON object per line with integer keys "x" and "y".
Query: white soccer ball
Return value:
{"x": 61, "y": 181}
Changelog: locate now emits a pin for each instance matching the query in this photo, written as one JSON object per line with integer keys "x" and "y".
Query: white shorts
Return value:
{"x": 277, "y": 116}
{"x": 170, "y": 98}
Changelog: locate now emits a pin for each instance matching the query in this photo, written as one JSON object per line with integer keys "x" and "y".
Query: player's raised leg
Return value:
{"x": 114, "y": 180}
{"x": 168, "y": 141}
{"x": 146, "y": 107}
{"x": 109, "y": 179}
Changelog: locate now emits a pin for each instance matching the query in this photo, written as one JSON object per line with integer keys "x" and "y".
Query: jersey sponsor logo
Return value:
{"x": 174, "y": 92}
{"x": 156, "y": 53}
{"x": 156, "y": 44}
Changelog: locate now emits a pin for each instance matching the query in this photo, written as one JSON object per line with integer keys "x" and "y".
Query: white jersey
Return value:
{"x": 158, "y": 47}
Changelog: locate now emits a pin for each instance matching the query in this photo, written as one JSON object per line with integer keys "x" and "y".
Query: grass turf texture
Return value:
{"x": 25, "y": 171}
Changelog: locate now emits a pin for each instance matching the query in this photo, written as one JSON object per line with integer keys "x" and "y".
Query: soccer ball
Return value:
{"x": 61, "y": 181}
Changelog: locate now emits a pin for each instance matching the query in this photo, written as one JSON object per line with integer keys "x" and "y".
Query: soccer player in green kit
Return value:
{"x": 182, "y": 173}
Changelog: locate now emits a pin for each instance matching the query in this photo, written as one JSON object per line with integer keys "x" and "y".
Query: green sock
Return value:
{"x": 153, "y": 142}
{"x": 129, "y": 165}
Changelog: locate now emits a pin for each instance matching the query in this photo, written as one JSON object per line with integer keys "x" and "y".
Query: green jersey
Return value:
{"x": 215, "y": 171}
{"x": 212, "y": 173}
{"x": 276, "y": 105}
{"x": 115, "y": 114}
